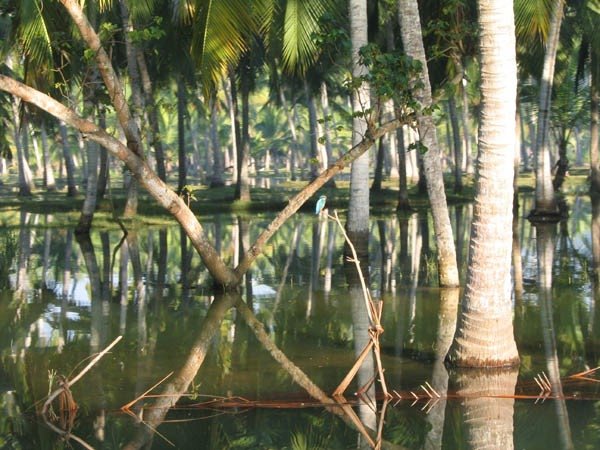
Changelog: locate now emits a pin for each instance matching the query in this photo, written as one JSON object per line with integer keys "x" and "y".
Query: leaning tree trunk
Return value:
{"x": 484, "y": 332}
{"x": 545, "y": 200}
{"x": 358, "y": 207}
{"x": 410, "y": 25}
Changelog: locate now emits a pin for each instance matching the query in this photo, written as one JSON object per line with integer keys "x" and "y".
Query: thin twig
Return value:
{"x": 70, "y": 383}
{"x": 135, "y": 400}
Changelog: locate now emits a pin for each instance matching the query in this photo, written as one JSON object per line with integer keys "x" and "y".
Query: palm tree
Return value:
{"x": 484, "y": 334}
{"x": 358, "y": 208}
{"x": 410, "y": 26}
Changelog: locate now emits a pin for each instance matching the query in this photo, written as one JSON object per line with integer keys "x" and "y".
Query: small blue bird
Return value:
{"x": 320, "y": 204}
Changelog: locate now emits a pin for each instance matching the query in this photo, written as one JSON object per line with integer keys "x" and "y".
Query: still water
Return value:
{"x": 244, "y": 369}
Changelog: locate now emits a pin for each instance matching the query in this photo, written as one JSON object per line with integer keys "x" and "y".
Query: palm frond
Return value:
{"x": 532, "y": 19}
{"x": 301, "y": 23}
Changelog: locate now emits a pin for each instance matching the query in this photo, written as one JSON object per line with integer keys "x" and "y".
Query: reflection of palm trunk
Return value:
{"x": 24, "y": 252}
{"x": 439, "y": 378}
{"x": 488, "y": 405}
{"x": 545, "y": 251}
{"x": 361, "y": 337}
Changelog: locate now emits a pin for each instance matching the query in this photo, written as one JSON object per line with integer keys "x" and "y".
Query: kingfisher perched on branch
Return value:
{"x": 320, "y": 204}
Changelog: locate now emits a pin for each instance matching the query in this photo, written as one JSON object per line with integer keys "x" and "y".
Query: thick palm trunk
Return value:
{"x": 410, "y": 25}
{"x": 484, "y": 333}
{"x": 545, "y": 201}
{"x": 358, "y": 207}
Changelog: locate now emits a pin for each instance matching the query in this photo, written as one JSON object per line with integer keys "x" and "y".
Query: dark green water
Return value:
{"x": 62, "y": 301}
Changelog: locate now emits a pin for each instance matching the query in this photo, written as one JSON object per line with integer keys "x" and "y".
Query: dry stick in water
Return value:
{"x": 374, "y": 313}
{"x": 70, "y": 383}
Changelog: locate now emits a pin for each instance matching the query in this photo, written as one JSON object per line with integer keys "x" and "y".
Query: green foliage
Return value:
{"x": 392, "y": 76}
{"x": 8, "y": 249}
{"x": 151, "y": 32}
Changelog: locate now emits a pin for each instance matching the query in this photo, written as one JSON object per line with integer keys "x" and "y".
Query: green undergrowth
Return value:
{"x": 208, "y": 201}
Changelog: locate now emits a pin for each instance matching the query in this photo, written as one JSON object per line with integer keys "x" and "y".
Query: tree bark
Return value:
{"x": 357, "y": 223}
{"x": 545, "y": 200}
{"x": 242, "y": 187}
{"x": 410, "y": 26}
{"x": 484, "y": 333}
{"x": 68, "y": 157}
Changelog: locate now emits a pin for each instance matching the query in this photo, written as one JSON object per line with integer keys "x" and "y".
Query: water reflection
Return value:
{"x": 65, "y": 297}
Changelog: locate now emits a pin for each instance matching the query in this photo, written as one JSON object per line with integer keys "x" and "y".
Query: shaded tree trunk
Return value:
{"x": 410, "y": 25}
{"x": 545, "y": 201}
{"x": 242, "y": 187}
{"x": 49, "y": 181}
{"x": 69, "y": 163}
{"x": 458, "y": 163}
{"x": 357, "y": 224}
{"x": 182, "y": 157}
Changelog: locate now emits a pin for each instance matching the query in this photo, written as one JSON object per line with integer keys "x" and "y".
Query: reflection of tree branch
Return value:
{"x": 155, "y": 414}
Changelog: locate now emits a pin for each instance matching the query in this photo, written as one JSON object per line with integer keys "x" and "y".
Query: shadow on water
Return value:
{"x": 256, "y": 369}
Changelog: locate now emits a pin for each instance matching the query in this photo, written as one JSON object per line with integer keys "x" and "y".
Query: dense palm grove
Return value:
{"x": 214, "y": 93}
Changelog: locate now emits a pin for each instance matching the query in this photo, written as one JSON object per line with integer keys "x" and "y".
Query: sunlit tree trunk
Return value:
{"x": 26, "y": 185}
{"x": 545, "y": 201}
{"x": 358, "y": 207}
{"x": 218, "y": 168}
{"x": 49, "y": 181}
{"x": 410, "y": 27}
{"x": 484, "y": 333}
{"x": 466, "y": 128}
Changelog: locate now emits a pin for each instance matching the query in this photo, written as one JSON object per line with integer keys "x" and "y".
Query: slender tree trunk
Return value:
{"x": 39, "y": 167}
{"x": 314, "y": 133}
{"x": 292, "y": 124}
{"x": 231, "y": 95}
{"x": 103, "y": 171}
{"x": 484, "y": 332}
{"x": 182, "y": 157}
{"x": 68, "y": 157}
{"x": 152, "y": 110}
{"x": 327, "y": 128}
{"x": 545, "y": 201}
{"x": 131, "y": 204}
{"x": 216, "y": 179}
{"x": 359, "y": 207}
{"x": 458, "y": 163}
{"x": 595, "y": 124}
{"x": 410, "y": 25}
{"x": 468, "y": 152}
{"x": 49, "y": 181}
{"x": 403, "y": 202}
{"x": 242, "y": 187}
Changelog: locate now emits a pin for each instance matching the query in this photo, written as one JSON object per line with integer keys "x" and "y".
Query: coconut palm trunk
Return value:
{"x": 484, "y": 333}
{"x": 410, "y": 28}
{"x": 545, "y": 200}
{"x": 358, "y": 208}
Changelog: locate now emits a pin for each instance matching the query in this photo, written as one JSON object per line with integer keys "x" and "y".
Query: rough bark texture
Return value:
{"x": 358, "y": 207}
{"x": 410, "y": 25}
{"x": 484, "y": 335}
{"x": 545, "y": 201}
